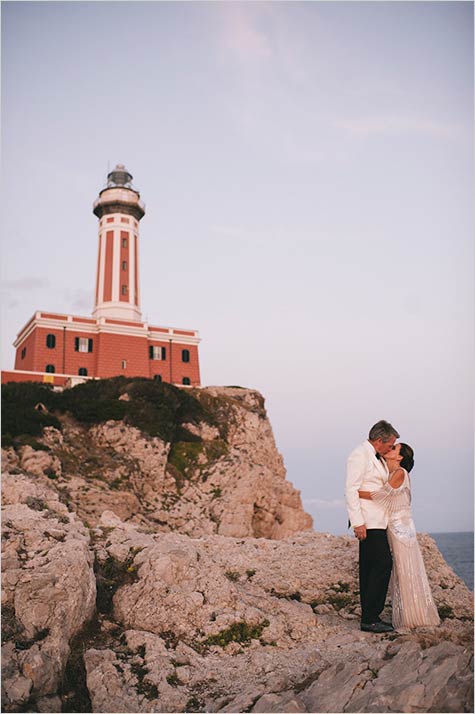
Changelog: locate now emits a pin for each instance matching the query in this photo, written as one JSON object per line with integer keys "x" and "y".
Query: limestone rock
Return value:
{"x": 213, "y": 594}
{"x": 226, "y": 478}
{"x": 48, "y": 589}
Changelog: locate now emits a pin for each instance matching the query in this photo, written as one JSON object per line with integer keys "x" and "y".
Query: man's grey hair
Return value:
{"x": 382, "y": 430}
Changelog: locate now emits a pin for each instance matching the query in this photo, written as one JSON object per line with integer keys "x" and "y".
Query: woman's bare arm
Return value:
{"x": 397, "y": 478}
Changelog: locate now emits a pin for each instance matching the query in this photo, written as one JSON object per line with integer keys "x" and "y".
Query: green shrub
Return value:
{"x": 95, "y": 401}
{"x": 156, "y": 408}
{"x": 19, "y": 415}
{"x": 184, "y": 455}
{"x": 238, "y": 632}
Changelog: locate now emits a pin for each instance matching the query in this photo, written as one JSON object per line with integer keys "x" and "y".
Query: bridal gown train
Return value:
{"x": 411, "y": 597}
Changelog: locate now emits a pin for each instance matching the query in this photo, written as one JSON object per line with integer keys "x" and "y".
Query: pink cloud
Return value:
{"x": 242, "y": 35}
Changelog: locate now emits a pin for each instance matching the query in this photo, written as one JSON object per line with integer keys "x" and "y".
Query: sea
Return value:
{"x": 457, "y": 549}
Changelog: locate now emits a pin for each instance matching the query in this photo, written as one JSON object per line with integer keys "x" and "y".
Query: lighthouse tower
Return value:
{"x": 119, "y": 210}
{"x": 64, "y": 350}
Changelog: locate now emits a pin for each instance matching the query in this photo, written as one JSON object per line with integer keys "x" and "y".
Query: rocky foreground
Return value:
{"x": 118, "y": 619}
{"x": 207, "y": 601}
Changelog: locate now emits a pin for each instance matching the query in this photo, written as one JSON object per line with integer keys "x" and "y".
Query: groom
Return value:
{"x": 367, "y": 471}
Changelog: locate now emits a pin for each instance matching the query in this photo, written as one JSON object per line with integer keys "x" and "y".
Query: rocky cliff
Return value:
{"x": 158, "y": 561}
{"x": 198, "y": 462}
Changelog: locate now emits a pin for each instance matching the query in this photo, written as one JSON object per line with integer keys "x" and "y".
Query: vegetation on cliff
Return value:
{"x": 157, "y": 409}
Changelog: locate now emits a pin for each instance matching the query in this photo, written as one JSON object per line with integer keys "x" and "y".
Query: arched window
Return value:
{"x": 185, "y": 355}
{"x": 51, "y": 341}
{"x": 23, "y": 353}
{"x": 158, "y": 377}
{"x": 50, "y": 368}
{"x": 82, "y": 371}
{"x": 185, "y": 380}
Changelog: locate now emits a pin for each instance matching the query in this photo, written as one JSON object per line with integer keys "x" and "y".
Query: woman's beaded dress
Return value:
{"x": 411, "y": 597}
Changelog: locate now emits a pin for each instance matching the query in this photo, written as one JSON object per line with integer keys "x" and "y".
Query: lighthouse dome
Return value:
{"x": 119, "y": 177}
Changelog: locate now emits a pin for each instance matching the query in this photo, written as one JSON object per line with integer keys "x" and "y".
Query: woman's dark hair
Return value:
{"x": 407, "y": 454}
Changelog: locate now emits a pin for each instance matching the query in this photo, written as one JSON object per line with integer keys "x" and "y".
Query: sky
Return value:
{"x": 307, "y": 170}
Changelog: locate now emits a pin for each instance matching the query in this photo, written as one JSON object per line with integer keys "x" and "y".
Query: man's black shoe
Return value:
{"x": 377, "y": 627}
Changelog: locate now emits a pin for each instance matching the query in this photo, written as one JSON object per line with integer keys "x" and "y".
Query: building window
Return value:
{"x": 82, "y": 371}
{"x": 110, "y": 219}
{"x": 124, "y": 364}
{"x": 124, "y": 220}
{"x": 157, "y": 377}
{"x": 124, "y": 242}
{"x": 51, "y": 341}
{"x": 124, "y": 265}
{"x": 50, "y": 368}
{"x": 185, "y": 380}
{"x": 23, "y": 353}
{"x": 155, "y": 352}
{"x": 124, "y": 289}
{"x": 185, "y": 355}
{"x": 82, "y": 344}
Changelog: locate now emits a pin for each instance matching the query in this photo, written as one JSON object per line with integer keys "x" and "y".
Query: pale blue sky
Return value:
{"x": 307, "y": 169}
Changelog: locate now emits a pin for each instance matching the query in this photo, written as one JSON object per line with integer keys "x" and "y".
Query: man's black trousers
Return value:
{"x": 375, "y": 571}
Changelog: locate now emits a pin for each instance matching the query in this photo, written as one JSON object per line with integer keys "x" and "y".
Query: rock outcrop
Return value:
{"x": 152, "y": 574}
{"x": 48, "y": 588}
{"x": 223, "y": 624}
{"x": 226, "y": 477}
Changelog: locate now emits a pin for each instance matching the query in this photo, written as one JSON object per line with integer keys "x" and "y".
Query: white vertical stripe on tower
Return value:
{"x": 131, "y": 266}
{"x": 136, "y": 248}
{"x": 116, "y": 266}
{"x": 101, "y": 268}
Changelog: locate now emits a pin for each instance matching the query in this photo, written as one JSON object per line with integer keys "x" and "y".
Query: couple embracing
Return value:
{"x": 378, "y": 499}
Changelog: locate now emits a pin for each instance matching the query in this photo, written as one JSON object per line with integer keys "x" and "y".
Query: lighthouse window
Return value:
{"x": 185, "y": 380}
{"x": 51, "y": 341}
{"x": 185, "y": 355}
{"x": 124, "y": 289}
{"x": 158, "y": 377}
{"x": 124, "y": 364}
{"x": 124, "y": 265}
{"x": 155, "y": 352}
{"x": 82, "y": 371}
{"x": 124, "y": 242}
{"x": 49, "y": 368}
{"x": 23, "y": 353}
{"x": 82, "y": 344}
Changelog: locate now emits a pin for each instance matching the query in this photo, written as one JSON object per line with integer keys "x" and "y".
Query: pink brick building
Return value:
{"x": 66, "y": 349}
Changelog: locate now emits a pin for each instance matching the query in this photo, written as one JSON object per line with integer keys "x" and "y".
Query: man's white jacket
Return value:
{"x": 365, "y": 472}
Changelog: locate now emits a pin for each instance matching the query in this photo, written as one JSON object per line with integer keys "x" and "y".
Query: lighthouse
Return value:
{"x": 119, "y": 210}
{"x": 66, "y": 349}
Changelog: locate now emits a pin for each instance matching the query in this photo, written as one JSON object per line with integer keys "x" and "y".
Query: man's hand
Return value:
{"x": 360, "y": 532}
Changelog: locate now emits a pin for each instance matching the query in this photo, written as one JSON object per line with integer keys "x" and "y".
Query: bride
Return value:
{"x": 411, "y": 597}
